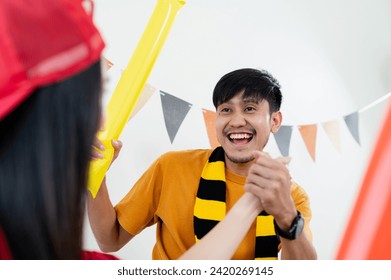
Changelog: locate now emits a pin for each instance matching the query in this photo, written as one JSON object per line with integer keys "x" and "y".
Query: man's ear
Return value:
{"x": 276, "y": 120}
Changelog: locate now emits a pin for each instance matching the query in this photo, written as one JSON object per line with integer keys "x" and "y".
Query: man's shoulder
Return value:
{"x": 297, "y": 192}
{"x": 186, "y": 156}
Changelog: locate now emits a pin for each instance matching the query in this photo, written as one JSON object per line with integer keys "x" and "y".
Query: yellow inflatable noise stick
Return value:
{"x": 131, "y": 84}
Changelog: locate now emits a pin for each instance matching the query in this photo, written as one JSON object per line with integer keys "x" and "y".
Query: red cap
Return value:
{"x": 42, "y": 42}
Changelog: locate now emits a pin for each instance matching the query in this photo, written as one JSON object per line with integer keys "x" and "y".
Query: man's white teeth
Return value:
{"x": 239, "y": 136}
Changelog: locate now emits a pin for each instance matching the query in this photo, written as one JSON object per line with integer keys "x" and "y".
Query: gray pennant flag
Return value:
{"x": 283, "y": 139}
{"x": 174, "y": 111}
{"x": 352, "y": 123}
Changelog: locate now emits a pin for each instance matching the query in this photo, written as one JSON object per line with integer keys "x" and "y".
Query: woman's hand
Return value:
{"x": 98, "y": 146}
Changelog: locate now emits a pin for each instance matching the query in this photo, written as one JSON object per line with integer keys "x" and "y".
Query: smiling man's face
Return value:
{"x": 243, "y": 125}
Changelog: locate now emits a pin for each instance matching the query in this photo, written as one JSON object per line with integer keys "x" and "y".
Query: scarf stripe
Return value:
{"x": 210, "y": 208}
{"x": 268, "y": 228}
{"x": 212, "y": 171}
{"x": 266, "y": 247}
{"x": 217, "y": 192}
{"x": 202, "y": 227}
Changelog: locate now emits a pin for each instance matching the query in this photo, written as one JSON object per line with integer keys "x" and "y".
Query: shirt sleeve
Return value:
{"x": 137, "y": 209}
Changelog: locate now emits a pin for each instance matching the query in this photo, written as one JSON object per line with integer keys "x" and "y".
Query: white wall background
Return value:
{"x": 332, "y": 58}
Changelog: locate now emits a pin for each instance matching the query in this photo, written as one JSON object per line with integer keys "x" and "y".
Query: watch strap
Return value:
{"x": 295, "y": 229}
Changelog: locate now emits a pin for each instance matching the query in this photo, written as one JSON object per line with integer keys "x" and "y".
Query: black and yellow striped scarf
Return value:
{"x": 210, "y": 208}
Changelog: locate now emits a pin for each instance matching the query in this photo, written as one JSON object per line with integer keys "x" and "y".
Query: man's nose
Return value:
{"x": 238, "y": 120}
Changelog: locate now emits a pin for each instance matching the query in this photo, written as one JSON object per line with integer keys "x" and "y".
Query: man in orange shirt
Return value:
{"x": 187, "y": 193}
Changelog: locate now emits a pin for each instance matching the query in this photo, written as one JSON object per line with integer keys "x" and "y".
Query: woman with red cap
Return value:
{"x": 50, "y": 92}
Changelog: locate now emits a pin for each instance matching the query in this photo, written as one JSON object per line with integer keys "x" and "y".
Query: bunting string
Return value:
{"x": 175, "y": 111}
{"x": 374, "y": 103}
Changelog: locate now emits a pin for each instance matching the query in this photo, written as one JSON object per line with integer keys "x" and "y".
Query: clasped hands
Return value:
{"x": 270, "y": 181}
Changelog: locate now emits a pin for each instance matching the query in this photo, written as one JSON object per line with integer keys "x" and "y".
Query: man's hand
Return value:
{"x": 269, "y": 180}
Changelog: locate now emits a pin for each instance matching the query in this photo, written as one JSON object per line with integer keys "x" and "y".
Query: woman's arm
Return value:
{"x": 214, "y": 245}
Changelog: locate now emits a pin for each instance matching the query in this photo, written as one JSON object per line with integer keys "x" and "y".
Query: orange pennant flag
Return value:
{"x": 210, "y": 123}
{"x": 308, "y": 133}
{"x": 368, "y": 233}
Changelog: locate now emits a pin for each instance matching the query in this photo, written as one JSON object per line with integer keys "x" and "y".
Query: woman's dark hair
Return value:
{"x": 255, "y": 83}
{"x": 45, "y": 147}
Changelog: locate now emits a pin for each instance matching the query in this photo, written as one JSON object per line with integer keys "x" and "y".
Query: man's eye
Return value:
{"x": 225, "y": 110}
{"x": 249, "y": 109}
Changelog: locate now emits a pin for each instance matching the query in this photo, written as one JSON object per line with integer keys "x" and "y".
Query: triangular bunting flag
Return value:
{"x": 210, "y": 123}
{"x": 283, "y": 139}
{"x": 107, "y": 64}
{"x": 352, "y": 123}
{"x": 308, "y": 133}
{"x": 174, "y": 111}
{"x": 332, "y": 130}
{"x": 143, "y": 98}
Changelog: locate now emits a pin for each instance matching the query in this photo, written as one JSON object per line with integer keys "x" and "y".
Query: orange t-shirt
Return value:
{"x": 165, "y": 194}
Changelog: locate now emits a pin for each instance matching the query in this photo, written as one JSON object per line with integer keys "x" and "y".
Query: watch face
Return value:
{"x": 295, "y": 229}
{"x": 299, "y": 225}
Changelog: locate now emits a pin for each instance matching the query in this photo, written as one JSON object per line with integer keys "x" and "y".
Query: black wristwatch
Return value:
{"x": 294, "y": 231}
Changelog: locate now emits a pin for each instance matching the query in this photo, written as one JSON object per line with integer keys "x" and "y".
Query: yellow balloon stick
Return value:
{"x": 131, "y": 84}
